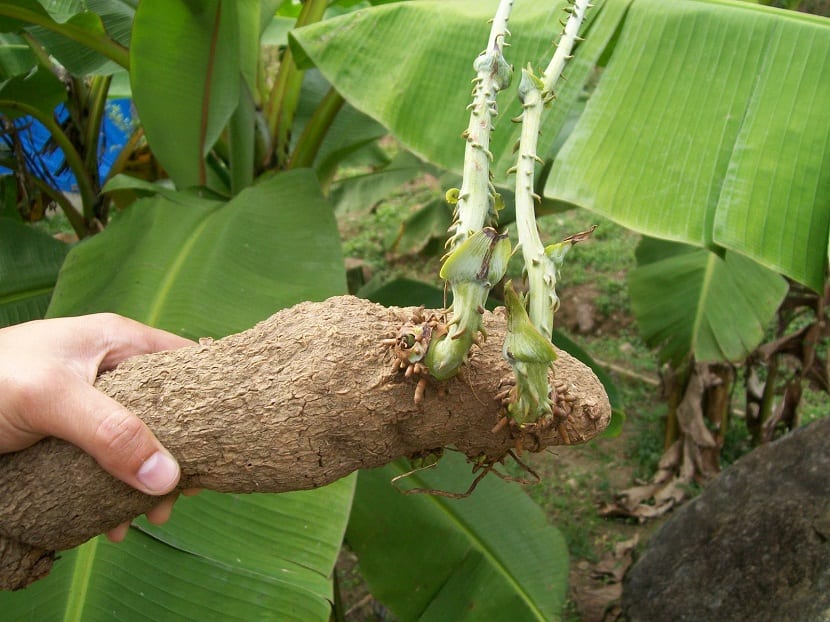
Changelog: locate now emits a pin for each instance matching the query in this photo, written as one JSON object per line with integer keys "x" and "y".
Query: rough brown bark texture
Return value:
{"x": 299, "y": 401}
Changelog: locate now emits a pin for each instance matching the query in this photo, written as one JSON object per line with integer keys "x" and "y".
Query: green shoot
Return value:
{"x": 477, "y": 257}
{"x": 541, "y": 264}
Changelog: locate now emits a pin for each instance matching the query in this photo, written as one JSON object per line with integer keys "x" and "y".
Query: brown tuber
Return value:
{"x": 299, "y": 401}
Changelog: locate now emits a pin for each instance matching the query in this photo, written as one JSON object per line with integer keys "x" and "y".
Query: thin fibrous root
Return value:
{"x": 410, "y": 346}
{"x": 502, "y": 423}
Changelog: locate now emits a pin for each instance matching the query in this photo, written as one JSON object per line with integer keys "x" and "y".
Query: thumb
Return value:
{"x": 118, "y": 440}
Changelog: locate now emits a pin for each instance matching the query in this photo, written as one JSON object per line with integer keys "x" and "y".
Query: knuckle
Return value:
{"x": 121, "y": 436}
{"x": 109, "y": 319}
{"x": 24, "y": 392}
{"x": 108, "y": 325}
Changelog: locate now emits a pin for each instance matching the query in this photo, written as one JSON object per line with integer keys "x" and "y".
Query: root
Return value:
{"x": 483, "y": 464}
{"x": 410, "y": 346}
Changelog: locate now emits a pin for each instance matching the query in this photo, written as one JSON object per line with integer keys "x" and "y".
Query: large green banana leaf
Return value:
{"x": 689, "y": 300}
{"x": 222, "y": 557}
{"x": 185, "y": 73}
{"x": 409, "y": 66}
{"x": 112, "y": 18}
{"x": 203, "y": 267}
{"x": 492, "y": 556}
{"x": 710, "y": 126}
{"x": 29, "y": 264}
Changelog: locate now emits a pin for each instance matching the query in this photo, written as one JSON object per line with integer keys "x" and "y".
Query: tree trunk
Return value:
{"x": 299, "y": 401}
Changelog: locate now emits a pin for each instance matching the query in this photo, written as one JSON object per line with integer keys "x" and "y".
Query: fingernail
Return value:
{"x": 159, "y": 473}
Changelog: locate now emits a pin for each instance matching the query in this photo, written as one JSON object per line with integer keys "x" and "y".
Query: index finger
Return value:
{"x": 123, "y": 338}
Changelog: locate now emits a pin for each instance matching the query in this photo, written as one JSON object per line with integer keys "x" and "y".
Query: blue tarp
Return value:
{"x": 116, "y": 129}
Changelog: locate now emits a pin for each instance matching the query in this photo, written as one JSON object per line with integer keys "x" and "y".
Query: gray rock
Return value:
{"x": 755, "y": 545}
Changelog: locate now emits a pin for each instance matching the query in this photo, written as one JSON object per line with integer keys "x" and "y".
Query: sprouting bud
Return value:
{"x": 496, "y": 205}
{"x": 530, "y": 355}
{"x": 556, "y": 252}
{"x": 493, "y": 63}
{"x": 481, "y": 258}
{"x": 503, "y": 75}
{"x": 452, "y": 196}
{"x": 529, "y": 82}
{"x": 524, "y": 343}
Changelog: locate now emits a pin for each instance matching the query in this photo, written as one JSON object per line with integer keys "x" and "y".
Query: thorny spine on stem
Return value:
{"x": 478, "y": 254}
{"x": 530, "y": 318}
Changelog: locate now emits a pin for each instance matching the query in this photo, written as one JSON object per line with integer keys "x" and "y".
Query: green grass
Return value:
{"x": 814, "y": 405}
{"x": 369, "y": 237}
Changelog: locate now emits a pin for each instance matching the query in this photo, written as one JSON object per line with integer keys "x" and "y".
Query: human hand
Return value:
{"x": 47, "y": 371}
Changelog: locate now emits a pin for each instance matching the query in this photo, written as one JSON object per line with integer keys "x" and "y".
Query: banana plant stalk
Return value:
{"x": 541, "y": 264}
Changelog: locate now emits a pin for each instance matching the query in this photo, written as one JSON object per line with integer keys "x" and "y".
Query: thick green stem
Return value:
{"x": 535, "y": 93}
{"x": 241, "y": 128}
{"x": 476, "y": 199}
{"x": 308, "y": 145}
{"x": 97, "y": 98}
{"x": 478, "y": 257}
{"x": 285, "y": 94}
{"x": 541, "y": 272}
{"x": 95, "y": 109}
{"x": 531, "y": 400}
{"x": 566, "y": 44}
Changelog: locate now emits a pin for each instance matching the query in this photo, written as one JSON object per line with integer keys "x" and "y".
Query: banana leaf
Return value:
{"x": 105, "y": 18}
{"x": 415, "y": 66}
{"x": 29, "y": 264}
{"x": 491, "y": 556}
{"x": 15, "y": 56}
{"x": 35, "y": 93}
{"x": 691, "y": 301}
{"x": 86, "y": 38}
{"x": 709, "y": 126}
{"x": 185, "y": 74}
